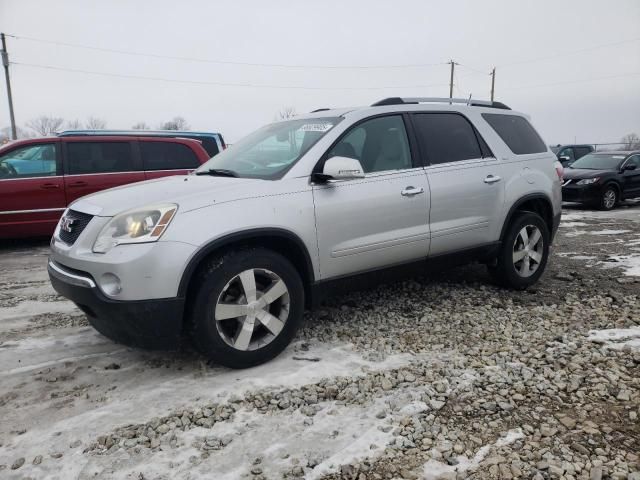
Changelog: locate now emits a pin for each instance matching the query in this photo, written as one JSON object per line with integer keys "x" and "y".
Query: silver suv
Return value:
{"x": 233, "y": 253}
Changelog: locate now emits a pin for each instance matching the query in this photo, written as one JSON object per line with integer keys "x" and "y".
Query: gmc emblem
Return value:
{"x": 66, "y": 224}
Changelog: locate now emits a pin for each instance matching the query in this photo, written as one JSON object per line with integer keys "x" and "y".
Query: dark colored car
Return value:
{"x": 567, "y": 154}
{"x": 603, "y": 179}
{"x": 212, "y": 142}
{"x": 40, "y": 177}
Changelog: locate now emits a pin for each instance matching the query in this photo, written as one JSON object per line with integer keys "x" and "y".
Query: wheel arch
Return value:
{"x": 538, "y": 203}
{"x": 282, "y": 241}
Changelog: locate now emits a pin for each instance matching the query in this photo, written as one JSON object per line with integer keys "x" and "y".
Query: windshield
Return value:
{"x": 270, "y": 151}
{"x": 599, "y": 161}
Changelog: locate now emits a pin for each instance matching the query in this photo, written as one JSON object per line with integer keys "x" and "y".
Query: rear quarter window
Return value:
{"x": 516, "y": 132}
{"x": 167, "y": 156}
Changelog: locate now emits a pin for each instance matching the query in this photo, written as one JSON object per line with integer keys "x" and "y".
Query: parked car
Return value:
{"x": 603, "y": 179}
{"x": 40, "y": 177}
{"x": 233, "y": 253}
{"x": 567, "y": 154}
{"x": 212, "y": 142}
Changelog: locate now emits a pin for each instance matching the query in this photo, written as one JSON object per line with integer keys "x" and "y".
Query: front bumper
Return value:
{"x": 581, "y": 193}
{"x": 152, "y": 324}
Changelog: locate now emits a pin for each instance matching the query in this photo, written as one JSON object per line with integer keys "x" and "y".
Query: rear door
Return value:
{"x": 464, "y": 176}
{"x": 91, "y": 166}
{"x": 162, "y": 158}
{"x": 31, "y": 190}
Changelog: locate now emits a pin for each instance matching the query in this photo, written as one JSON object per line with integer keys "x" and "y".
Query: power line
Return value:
{"x": 573, "y": 52}
{"x": 219, "y": 84}
{"x": 221, "y": 62}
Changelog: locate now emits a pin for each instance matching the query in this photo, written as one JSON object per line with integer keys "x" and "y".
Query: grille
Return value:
{"x": 79, "y": 222}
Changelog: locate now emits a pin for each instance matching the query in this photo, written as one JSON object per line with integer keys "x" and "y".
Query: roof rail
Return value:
{"x": 415, "y": 100}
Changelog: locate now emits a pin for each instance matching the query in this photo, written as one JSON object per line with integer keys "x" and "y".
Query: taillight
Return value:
{"x": 559, "y": 170}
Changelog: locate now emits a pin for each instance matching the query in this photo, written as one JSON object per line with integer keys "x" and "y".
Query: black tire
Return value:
{"x": 504, "y": 271}
{"x": 210, "y": 283}
{"x": 605, "y": 199}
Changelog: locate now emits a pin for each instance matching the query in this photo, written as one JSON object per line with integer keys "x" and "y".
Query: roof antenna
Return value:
{"x": 469, "y": 101}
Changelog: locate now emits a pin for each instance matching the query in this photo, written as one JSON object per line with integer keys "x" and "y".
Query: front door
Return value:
{"x": 631, "y": 178}
{"x": 467, "y": 191}
{"x": 94, "y": 166}
{"x": 379, "y": 220}
{"x": 31, "y": 190}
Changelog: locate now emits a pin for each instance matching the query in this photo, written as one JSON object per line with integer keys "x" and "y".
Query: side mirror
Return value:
{"x": 629, "y": 166}
{"x": 564, "y": 158}
{"x": 341, "y": 168}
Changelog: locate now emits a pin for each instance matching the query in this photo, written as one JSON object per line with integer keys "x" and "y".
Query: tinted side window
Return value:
{"x": 31, "y": 161}
{"x": 98, "y": 157}
{"x": 379, "y": 144}
{"x": 446, "y": 137}
{"x": 210, "y": 145}
{"x": 581, "y": 151}
{"x": 167, "y": 156}
{"x": 516, "y": 132}
{"x": 567, "y": 152}
{"x": 635, "y": 160}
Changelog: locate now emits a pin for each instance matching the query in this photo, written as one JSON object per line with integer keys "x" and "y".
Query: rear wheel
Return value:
{"x": 524, "y": 252}
{"x": 609, "y": 198}
{"x": 248, "y": 306}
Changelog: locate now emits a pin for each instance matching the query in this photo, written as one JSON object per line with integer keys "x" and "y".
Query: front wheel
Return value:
{"x": 524, "y": 252}
{"x": 609, "y": 198}
{"x": 247, "y": 308}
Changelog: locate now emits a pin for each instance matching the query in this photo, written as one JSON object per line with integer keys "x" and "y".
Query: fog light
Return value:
{"x": 110, "y": 284}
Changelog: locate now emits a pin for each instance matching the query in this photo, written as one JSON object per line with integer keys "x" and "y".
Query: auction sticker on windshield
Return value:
{"x": 316, "y": 127}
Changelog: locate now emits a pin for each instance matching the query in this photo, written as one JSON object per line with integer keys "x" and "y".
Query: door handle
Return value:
{"x": 48, "y": 186}
{"x": 411, "y": 191}
{"x": 492, "y": 179}
{"x": 78, "y": 184}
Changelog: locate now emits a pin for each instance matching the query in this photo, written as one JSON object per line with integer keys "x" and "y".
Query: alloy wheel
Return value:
{"x": 609, "y": 199}
{"x": 528, "y": 249}
{"x": 252, "y": 309}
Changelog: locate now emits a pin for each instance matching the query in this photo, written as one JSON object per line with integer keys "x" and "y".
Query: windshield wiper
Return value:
{"x": 218, "y": 172}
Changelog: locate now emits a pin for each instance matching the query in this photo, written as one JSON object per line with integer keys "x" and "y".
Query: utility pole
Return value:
{"x": 451, "y": 79}
{"x": 5, "y": 64}
{"x": 493, "y": 82}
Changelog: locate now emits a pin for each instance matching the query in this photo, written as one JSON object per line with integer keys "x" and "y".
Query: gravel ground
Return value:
{"x": 438, "y": 377}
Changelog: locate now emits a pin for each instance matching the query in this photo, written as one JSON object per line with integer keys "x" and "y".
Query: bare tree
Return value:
{"x": 141, "y": 126}
{"x": 74, "y": 124}
{"x": 177, "y": 123}
{"x": 631, "y": 141}
{"x": 5, "y": 133}
{"x": 285, "y": 113}
{"x": 94, "y": 123}
{"x": 45, "y": 125}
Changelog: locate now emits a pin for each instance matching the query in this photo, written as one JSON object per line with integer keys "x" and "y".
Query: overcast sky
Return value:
{"x": 574, "y": 66}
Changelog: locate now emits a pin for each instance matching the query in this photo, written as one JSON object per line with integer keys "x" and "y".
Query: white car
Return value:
{"x": 233, "y": 253}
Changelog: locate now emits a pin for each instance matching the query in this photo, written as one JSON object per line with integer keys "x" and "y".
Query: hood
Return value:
{"x": 188, "y": 191}
{"x": 580, "y": 173}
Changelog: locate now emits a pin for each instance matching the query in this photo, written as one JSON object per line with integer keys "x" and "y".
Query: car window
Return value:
{"x": 635, "y": 160}
{"x": 516, "y": 132}
{"x": 30, "y": 161}
{"x": 210, "y": 145}
{"x": 581, "y": 151}
{"x": 270, "y": 151}
{"x": 98, "y": 157}
{"x": 446, "y": 137}
{"x": 380, "y": 144}
{"x": 167, "y": 156}
{"x": 567, "y": 152}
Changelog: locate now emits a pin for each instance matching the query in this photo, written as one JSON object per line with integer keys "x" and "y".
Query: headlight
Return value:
{"x": 588, "y": 181}
{"x": 141, "y": 225}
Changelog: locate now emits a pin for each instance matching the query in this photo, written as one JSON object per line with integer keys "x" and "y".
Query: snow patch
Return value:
{"x": 629, "y": 263}
{"x": 617, "y": 338}
{"x": 435, "y": 470}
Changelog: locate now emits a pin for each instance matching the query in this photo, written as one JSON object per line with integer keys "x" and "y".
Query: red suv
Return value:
{"x": 40, "y": 177}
